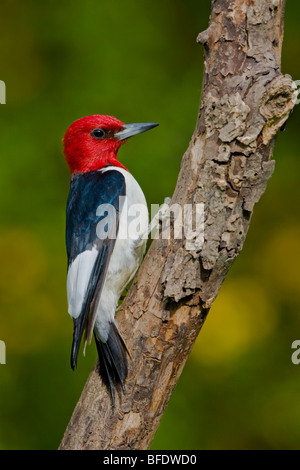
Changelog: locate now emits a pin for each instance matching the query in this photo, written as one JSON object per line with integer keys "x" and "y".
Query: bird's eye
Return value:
{"x": 98, "y": 133}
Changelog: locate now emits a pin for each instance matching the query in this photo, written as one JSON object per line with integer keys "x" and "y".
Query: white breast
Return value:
{"x": 125, "y": 259}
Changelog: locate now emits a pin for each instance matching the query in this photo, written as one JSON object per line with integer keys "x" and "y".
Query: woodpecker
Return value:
{"x": 101, "y": 262}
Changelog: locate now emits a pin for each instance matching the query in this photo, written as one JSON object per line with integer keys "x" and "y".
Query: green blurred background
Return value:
{"x": 137, "y": 60}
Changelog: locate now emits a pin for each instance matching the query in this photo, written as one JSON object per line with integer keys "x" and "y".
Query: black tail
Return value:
{"x": 113, "y": 367}
{"x": 77, "y": 335}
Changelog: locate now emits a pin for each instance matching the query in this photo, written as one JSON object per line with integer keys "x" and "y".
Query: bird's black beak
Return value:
{"x": 128, "y": 130}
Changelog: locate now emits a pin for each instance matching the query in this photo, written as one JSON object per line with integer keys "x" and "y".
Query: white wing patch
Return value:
{"x": 78, "y": 278}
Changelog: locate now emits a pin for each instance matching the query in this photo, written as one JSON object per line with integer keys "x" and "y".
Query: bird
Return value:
{"x": 103, "y": 254}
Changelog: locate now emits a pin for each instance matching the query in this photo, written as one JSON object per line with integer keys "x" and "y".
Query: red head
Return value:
{"x": 92, "y": 142}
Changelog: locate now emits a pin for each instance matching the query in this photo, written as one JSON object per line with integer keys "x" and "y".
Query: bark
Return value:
{"x": 245, "y": 101}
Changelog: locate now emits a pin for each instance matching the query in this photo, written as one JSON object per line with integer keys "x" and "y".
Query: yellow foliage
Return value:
{"x": 240, "y": 316}
{"x": 29, "y": 312}
{"x": 280, "y": 259}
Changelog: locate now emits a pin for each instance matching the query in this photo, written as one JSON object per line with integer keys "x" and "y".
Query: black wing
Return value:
{"x": 92, "y": 224}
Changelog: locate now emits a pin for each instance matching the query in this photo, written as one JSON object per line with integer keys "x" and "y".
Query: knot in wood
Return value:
{"x": 278, "y": 102}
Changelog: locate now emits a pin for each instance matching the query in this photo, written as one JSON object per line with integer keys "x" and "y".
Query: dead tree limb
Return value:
{"x": 245, "y": 101}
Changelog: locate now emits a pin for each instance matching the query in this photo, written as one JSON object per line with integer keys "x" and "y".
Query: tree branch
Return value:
{"x": 245, "y": 101}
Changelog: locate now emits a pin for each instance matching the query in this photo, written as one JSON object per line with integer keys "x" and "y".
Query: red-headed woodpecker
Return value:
{"x": 100, "y": 261}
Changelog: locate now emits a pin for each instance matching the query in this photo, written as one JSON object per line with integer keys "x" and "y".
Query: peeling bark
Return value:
{"x": 245, "y": 101}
